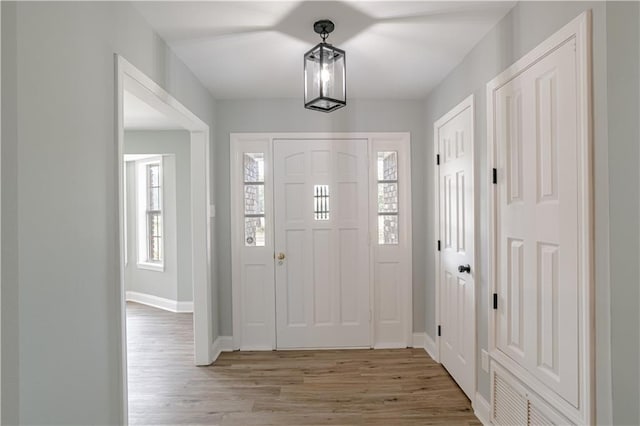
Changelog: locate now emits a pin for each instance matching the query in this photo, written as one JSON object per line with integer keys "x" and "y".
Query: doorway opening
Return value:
{"x": 163, "y": 182}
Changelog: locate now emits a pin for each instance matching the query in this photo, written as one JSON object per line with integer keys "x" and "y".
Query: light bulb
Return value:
{"x": 325, "y": 74}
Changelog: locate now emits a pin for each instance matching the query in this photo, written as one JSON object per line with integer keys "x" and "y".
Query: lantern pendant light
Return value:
{"x": 325, "y": 83}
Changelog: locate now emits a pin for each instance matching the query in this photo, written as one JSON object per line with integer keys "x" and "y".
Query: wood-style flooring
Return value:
{"x": 332, "y": 387}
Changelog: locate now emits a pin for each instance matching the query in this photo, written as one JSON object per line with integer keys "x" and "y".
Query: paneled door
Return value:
{"x": 454, "y": 137}
{"x": 321, "y": 243}
{"x": 538, "y": 240}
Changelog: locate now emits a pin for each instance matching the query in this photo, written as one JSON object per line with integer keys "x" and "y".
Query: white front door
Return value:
{"x": 321, "y": 243}
{"x": 454, "y": 135}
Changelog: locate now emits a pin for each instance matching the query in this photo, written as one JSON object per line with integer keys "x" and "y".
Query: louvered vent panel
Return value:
{"x": 509, "y": 406}
{"x": 537, "y": 418}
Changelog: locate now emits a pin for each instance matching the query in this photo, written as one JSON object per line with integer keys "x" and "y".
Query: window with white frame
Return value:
{"x": 387, "y": 197}
{"x": 126, "y": 213}
{"x": 150, "y": 213}
{"x": 254, "y": 219}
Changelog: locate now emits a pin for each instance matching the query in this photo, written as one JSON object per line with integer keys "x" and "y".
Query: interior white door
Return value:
{"x": 456, "y": 271}
{"x": 321, "y": 243}
{"x": 537, "y": 233}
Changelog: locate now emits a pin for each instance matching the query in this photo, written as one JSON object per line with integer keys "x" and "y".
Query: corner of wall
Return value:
{"x": 10, "y": 374}
{"x": 623, "y": 68}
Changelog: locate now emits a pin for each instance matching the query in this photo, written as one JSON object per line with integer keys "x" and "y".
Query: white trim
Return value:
{"x": 221, "y": 344}
{"x": 482, "y": 409}
{"x": 419, "y": 340}
{"x": 124, "y": 414}
{"x": 579, "y": 29}
{"x": 467, "y": 103}
{"x": 435, "y": 354}
{"x": 259, "y": 347}
{"x": 139, "y": 157}
{"x": 373, "y": 236}
{"x": 326, "y": 348}
{"x": 201, "y": 233}
{"x": 136, "y": 82}
{"x": 263, "y": 142}
{"x": 430, "y": 347}
{"x": 156, "y": 267}
{"x": 170, "y": 305}
{"x": 379, "y": 345}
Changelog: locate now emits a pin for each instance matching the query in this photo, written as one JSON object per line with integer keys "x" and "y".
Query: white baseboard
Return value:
{"x": 482, "y": 410}
{"x": 384, "y": 345}
{"x": 159, "y": 302}
{"x": 221, "y": 344}
{"x": 263, "y": 348}
{"x": 430, "y": 347}
{"x": 419, "y": 340}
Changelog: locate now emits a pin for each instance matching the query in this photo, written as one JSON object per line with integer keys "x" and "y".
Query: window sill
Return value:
{"x": 158, "y": 267}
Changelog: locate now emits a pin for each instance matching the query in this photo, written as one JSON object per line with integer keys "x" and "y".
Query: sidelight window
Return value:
{"x": 254, "y": 219}
{"x": 387, "y": 197}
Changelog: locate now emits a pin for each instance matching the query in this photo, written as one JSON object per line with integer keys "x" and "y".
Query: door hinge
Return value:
{"x": 495, "y": 176}
{"x": 495, "y": 300}
{"x": 437, "y": 159}
{"x": 438, "y": 245}
{"x": 439, "y": 331}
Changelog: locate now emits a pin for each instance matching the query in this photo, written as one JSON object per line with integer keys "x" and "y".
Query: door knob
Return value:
{"x": 464, "y": 268}
{"x": 281, "y": 256}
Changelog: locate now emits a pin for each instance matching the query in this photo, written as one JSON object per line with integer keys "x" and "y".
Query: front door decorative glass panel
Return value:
{"x": 388, "y": 197}
{"x": 254, "y": 222}
{"x": 321, "y": 202}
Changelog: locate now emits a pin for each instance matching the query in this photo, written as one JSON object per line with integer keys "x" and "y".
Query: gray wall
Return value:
{"x": 615, "y": 76}
{"x": 288, "y": 115}
{"x": 59, "y": 203}
{"x": 10, "y": 293}
{"x": 57, "y": 71}
{"x": 175, "y": 281}
{"x": 623, "y": 71}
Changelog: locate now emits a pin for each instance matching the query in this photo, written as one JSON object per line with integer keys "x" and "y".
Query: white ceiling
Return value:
{"x": 254, "y": 49}
{"x": 138, "y": 115}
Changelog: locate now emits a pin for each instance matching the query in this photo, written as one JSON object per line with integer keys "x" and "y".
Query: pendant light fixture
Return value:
{"x": 325, "y": 82}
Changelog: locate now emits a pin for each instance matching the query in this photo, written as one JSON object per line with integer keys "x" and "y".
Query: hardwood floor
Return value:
{"x": 333, "y": 387}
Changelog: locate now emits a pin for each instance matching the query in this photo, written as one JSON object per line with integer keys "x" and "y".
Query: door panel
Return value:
{"x": 321, "y": 227}
{"x": 537, "y": 232}
{"x": 457, "y": 292}
{"x": 295, "y": 312}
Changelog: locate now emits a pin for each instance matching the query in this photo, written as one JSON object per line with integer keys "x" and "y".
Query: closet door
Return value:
{"x": 457, "y": 292}
{"x": 537, "y": 221}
